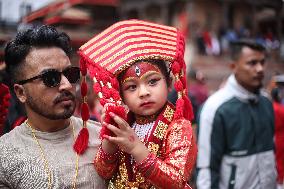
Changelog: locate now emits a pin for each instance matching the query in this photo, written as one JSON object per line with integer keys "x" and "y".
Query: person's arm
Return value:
{"x": 106, "y": 162}
{"x": 174, "y": 170}
{"x": 180, "y": 152}
{"x": 211, "y": 141}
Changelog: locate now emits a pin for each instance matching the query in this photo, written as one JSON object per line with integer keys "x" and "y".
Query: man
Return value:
{"x": 236, "y": 127}
{"x": 39, "y": 153}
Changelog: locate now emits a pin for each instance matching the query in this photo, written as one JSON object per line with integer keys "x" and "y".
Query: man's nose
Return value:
{"x": 259, "y": 67}
{"x": 64, "y": 83}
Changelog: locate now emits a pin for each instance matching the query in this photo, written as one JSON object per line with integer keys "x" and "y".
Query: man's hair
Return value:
{"x": 18, "y": 48}
{"x": 237, "y": 46}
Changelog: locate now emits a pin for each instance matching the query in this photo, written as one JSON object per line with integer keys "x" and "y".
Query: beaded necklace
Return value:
{"x": 143, "y": 130}
{"x": 46, "y": 165}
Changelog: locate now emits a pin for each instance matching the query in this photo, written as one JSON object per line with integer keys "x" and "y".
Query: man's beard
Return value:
{"x": 258, "y": 88}
{"x": 41, "y": 109}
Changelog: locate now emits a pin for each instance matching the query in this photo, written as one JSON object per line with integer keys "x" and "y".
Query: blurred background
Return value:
{"x": 209, "y": 26}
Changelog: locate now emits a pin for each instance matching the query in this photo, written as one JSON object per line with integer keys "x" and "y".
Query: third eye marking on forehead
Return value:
{"x": 144, "y": 76}
{"x": 137, "y": 71}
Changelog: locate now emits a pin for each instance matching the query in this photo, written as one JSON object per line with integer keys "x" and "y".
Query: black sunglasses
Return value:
{"x": 52, "y": 77}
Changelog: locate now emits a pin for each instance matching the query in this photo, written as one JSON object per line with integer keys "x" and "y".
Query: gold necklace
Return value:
{"x": 46, "y": 166}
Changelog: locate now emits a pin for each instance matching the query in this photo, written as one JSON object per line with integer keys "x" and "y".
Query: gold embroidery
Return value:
{"x": 120, "y": 181}
{"x": 141, "y": 120}
{"x": 123, "y": 172}
{"x": 160, "y": 130}
{"x": 130, "y": 62}
{"x": 153, "y": 147}
{"x": 139, "y": 178}
{"x": 138, "y": 52}
{"x": 168, "y": 114}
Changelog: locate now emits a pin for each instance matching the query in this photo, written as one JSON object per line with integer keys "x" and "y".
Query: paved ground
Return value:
{"x": 216, "y": 69}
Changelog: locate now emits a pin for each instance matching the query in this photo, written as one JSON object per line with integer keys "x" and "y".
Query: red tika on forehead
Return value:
{"x": 139, "y": 70}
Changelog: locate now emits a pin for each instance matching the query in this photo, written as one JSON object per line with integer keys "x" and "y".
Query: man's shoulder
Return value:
{"x": 8, "y": 143}
{"x": 11, "y": 136}
{"x": 217, "y": 99}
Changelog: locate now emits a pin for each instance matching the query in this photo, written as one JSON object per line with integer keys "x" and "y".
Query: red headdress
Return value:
{"x": 124, "y": 43}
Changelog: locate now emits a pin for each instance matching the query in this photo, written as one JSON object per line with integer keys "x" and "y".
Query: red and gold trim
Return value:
{"x": 128, "y": 175}
{"x": 139, "y": 71}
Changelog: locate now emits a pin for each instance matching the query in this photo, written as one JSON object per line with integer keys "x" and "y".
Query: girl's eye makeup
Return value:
{"x": 151, "y": 80}
{"x": 129, "y": 87}
{"x": 154, "y": 81}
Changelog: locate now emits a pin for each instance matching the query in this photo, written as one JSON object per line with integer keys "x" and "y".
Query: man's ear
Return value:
{"x": 20, "y": 92}
{"x": 232, "y": 65}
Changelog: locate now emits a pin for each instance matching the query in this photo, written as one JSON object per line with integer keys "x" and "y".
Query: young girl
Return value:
{"x": 154, "y": 147}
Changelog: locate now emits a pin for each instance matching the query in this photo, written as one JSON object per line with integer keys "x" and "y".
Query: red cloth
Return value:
{"x": 199, "y": 91}
{"x": 19, "y": 121}
{"x": 207, "y": 39}
{"x": 4, "y": 104}
{"x": 279, "y": 140}
{"x": 169, "y": 164}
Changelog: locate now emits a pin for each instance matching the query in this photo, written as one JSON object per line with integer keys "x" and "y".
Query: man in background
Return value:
{"x": 236, "y": 127}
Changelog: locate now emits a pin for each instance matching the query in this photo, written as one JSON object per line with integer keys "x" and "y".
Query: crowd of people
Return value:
{"x": 123, "y": 126}
{"x": 210, "y": 42}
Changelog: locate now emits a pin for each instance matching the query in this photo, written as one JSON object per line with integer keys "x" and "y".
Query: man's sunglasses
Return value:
{"x": 52, "y": 77}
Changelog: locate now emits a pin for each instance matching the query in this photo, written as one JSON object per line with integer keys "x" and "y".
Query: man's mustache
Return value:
{"x": 65, "y": 95}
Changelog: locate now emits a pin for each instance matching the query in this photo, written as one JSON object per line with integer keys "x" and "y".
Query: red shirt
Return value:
{"x": 279, "y": 139}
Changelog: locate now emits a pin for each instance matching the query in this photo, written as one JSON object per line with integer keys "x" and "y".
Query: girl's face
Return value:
{"x": 144, "y": 89}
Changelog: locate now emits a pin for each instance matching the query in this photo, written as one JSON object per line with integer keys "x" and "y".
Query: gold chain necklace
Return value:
{"x": 46, "y": 166}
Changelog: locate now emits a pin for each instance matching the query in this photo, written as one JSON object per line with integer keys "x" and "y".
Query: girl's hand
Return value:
{"x": 126, "y": 139}
{"x": 109, "y": 147}
{"x": 104, "y": 109}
